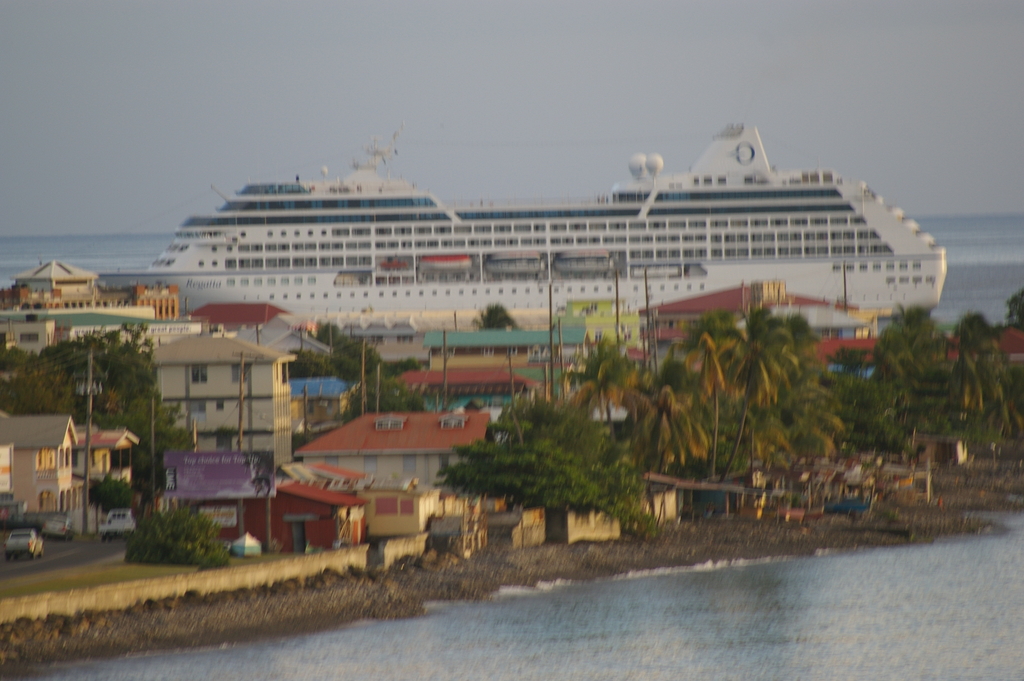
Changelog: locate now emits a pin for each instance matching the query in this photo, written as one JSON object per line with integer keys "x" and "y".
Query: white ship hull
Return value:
{"x": 370, "y": 243}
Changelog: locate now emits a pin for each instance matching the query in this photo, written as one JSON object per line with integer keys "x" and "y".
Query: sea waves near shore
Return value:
{"x": 575, "y": 576}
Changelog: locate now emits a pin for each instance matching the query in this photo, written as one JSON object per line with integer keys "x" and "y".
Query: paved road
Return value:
{"x": 62, "y": 555}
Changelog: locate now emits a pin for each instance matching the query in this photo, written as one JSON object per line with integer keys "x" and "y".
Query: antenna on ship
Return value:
{"x": 375, "y": 154}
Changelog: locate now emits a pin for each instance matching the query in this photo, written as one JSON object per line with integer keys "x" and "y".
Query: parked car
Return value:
{"x": 119, "y": 523}
{"x": 58, "y": 527}
{"x": 26, "y": 541}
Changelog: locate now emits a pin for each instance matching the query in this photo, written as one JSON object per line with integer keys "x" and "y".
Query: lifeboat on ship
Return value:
{"x": 516, "y": 262}
{"x": 393, "y": 265}
{"x": 445, "y": 263}
{"x": 592, "y": 261}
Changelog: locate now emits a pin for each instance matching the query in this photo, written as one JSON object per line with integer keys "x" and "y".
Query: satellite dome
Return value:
{"x": 636, "y": 165}
{"x": 654, "y": 164}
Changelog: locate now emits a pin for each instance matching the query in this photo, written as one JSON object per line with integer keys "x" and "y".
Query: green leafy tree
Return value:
{"x": 1015, "y": 310}
{"x": 761, "y": 362}
{"x": 668, "y": 431}
{"x": 110, "y": 493}
{"x": 177, "y": 538}
{"x": 708, "y": 344}
{"x": 309, "y": 364}
{"x": 607, "y": 380}
{"x": 868, "y": 410}
{"x": 495, "y": 316}
{"x": 394, "y": 396}
{"x": 979, "y": 364}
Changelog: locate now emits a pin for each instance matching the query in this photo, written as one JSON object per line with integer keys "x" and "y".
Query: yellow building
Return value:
{"x": 202, "y": 376}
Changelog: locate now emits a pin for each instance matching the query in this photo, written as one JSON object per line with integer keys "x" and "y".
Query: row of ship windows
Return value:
{"x": 847, "y": 235}
{"x": 556, "y": 227}
{"x": 635, "y": 255}
{"x": 270, "y": 281}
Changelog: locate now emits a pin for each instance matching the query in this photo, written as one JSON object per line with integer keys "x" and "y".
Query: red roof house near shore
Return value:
{"x": 300, "y": 515}
{"x": 233, "y": 316}
{"x": 400, "y": 445}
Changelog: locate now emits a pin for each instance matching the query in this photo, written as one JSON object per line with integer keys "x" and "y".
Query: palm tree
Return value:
{"x": 709, "y": 341}
{"x": 762, "y": 360}
{"x": 668, "y": 429}
{"x": 978, "y": 366}
{"x": 607, "y": 380}
{"x": 495, "y": 316}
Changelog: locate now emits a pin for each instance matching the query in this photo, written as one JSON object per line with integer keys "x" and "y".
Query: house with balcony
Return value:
{"x": 41, "y": 471}
{"x": 396, "y": 447}
{"x": 111, "y": 453}
{"x": 493, "y": 348}
{"x": 222, "y": 383}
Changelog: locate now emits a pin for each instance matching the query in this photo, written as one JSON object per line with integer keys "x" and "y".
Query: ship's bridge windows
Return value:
{"x": 482, "y": 229}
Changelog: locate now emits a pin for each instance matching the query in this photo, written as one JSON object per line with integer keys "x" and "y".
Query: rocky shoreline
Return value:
{"x": 331, "y": 599}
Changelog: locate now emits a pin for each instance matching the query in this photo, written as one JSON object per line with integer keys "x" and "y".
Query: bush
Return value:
{"x": 177, "y": 538}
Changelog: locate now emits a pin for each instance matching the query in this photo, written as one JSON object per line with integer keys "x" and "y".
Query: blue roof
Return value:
{"x": 321, "y": 386}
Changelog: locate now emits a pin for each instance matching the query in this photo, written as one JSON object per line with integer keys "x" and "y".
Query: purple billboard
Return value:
{"x": 219, "y": 475}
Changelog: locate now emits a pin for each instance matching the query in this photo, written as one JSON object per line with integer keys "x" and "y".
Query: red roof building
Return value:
{"x": 300, "y": 516}
{"x": 469, "y": 387}
{"x": 1012, "y": 344}
{"x": 233, "y": 316}
{"x": 392, "y": 446}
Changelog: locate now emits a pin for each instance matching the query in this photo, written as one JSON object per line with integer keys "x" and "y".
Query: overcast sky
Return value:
{"x": 117, "y": 117}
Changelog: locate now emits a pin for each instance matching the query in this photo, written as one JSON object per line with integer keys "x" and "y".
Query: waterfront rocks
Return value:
{"x": 332, "y": 599}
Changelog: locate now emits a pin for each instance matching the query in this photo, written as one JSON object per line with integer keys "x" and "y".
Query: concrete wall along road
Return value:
{"x": 569, "y": 527}
{"x": 394, "y": 548}
{"x": 126, "y": 594}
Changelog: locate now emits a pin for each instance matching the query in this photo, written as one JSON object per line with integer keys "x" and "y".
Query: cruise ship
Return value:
{"x": 372, "y": 243}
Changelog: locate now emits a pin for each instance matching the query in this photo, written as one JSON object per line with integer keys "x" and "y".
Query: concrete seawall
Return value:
{"x": 123, "y": 595}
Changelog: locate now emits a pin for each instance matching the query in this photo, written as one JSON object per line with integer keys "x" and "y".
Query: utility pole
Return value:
{"x": 647, "y": 306}
{"x": 561, "y": 360}
{"x": 305, "y": 411}
{"x": 617, "y": 340}
{"x": 152, "y": 448}
{"x": 377, "y": 409}
{"x": 551, "y": 341}
{"x": 88, "y": 446}
{"x": 241, "y": 402}
{"x": 362, "y": 378}
{"x": 444, "y": 370}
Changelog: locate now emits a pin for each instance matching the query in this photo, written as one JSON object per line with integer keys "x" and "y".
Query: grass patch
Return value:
{"x": 83, "y": 578}
{"x": 98, "y": 575}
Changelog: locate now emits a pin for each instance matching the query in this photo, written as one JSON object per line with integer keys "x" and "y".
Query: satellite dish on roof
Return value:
{"x": 636, "y": 165}
{"x": 654, "y": 164}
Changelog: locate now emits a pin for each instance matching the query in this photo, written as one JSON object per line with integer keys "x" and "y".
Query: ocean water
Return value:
{"x": 985, "y": 256}
{"x": 952, "y": 610}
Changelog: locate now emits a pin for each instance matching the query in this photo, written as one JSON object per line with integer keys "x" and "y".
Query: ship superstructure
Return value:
{"x": 372, "y": 242}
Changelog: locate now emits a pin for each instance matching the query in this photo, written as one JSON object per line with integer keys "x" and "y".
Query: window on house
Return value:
{"x": 408, "y": 464}
{"x": 370, "y": 464}
{"x": 199, "y": 374}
